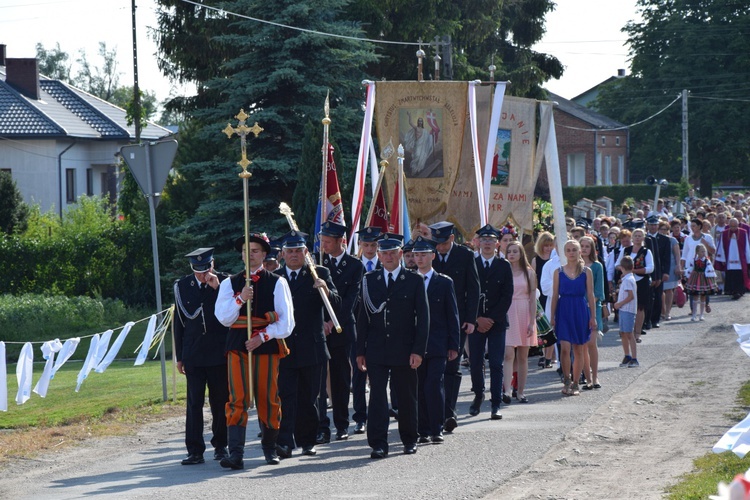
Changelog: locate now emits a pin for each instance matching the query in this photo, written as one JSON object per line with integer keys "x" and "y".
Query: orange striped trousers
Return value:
{"x": 265, "y": 387}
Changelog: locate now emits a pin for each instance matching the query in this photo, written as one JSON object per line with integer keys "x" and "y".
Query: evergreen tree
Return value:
{"x": 700, "y": 46}
{"x": 14, "y": 213}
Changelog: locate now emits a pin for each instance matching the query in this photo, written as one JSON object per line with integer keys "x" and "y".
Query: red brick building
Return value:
{"x": 593, "y": 149}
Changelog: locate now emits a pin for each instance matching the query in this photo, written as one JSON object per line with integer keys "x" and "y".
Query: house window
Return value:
{"x": 89, "y": 182}
{"x": 70, "y": 185}
{"x": 621, "y": 170}
{"x": 577, "y": 169}
{"x": 598, "y": 175}
{"x": 7, "y": 171}
{"x": 608, "y": 170}
{"x": 604, "y": 141}
{"x": 617, "y": 141}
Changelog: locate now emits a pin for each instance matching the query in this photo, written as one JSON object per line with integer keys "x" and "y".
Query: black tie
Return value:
{"x": 486, "y": 264}
{"x": 294, "y": 276}
{"x": 390, "y": 280}
{"x": 443, "y": 257}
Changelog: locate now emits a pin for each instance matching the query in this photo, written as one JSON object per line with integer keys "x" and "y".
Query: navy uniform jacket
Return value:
{"x": 663, "y": 253}
{"x": 402, "y": 325}
{"x": 497, "y": 291}
{"x": 444, "y": 325}
{"x": 650, "y": 243}
{"x": 198, "y": 341}
{"x": 347, "y": 277}
{"x": 307, "y": 343}
{"x": 461, "y": 268}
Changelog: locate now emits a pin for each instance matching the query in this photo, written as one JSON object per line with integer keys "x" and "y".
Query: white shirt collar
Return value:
{"x": 395, "y": 273}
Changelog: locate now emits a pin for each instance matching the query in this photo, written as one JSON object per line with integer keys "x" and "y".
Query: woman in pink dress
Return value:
{"x": 521, "y": 332}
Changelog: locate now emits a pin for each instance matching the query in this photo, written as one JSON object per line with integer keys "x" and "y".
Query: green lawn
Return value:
{"x": 121, "y": 386}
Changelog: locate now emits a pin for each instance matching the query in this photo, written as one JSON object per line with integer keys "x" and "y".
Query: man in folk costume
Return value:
{"x": 442, "y": 343}
{"x": 458, "y": 263}
{"x": 199, "y": 348}
{"x": 392, "y": 329}
{"x": 496, "y": 280}
{"x": 300, "y": 372}
{"x": 732, "y": 257}
{"x": 346, "y": 272}
{"x": 272, "y": 321}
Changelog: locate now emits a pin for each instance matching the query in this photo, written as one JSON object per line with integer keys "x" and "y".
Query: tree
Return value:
{"x": 53, "y": 63}
{"x": 101, "y": 81}
{"x": 14, "y": 213}
{"x": 698, "y": 45}
{"x": 278, "y": 76}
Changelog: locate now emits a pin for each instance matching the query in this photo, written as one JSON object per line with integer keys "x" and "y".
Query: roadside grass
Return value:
{"x": 712, "y": 468}
{"x": 115, "y": 402}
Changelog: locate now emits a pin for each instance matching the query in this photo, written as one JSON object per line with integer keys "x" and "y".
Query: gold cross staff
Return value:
{"x": 242, "y": 130}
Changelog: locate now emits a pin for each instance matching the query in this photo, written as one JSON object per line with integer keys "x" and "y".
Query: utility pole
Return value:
{"x": 685, "y": 169}
{"x": 136, "y": 90}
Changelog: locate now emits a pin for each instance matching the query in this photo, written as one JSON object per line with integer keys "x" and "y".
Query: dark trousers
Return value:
{"x": 198, "y": 378}
{"x": 404, "y": 385}
{"x": 453, "y": 380}
{"x": 340, "y": 369}
{"x": 431, "y": 375}
{"x": 495, "y": 342}
{"x": 299, "y": 389}
{"x": 656, "y": 302}
{"x": 359, "y": 397}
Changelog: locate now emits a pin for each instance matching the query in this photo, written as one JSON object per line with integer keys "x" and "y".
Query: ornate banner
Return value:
{"x": 512, "y": 178}
{"x": 428, "y": 118}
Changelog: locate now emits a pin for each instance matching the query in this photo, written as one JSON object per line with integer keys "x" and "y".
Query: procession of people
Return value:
{"x": 325, "y": 335}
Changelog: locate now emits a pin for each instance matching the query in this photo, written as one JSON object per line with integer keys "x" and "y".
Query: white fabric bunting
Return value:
{"x": 68, "y": 348}
{"x": 49, "y": 349}
{"x": 101, "y": 349}
{"x": 3, "y": 379}
{"x": 104, "y": 364}
{"x": 24, "y": 371}
{"x": 89, "y": 363}
{"x": 143, "y": 353}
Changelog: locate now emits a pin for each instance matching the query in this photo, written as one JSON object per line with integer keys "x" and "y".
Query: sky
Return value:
{"x": 583, "y": 34}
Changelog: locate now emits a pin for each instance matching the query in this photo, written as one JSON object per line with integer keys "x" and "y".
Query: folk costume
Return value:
{"x": 701, "y": 277}
{"x": 199, "y": 346}
{"x": 732, "y": 257}
{"x": 272, "y": 321}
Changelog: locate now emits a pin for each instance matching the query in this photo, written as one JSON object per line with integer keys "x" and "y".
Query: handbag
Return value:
{"x": 679, "y": 296}
{"x": 545, "y": 333}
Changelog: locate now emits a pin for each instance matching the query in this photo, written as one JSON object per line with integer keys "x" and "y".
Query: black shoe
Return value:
{"x": 506, "y": 399}
{"x": 410, "y": 449}
{"x": 655, "y": 325}
{"x": 439, "y": 439}
{"x": 310, "y": 451}
{"x": 220, "y": 453}
{"x": 378, "y": 453}
{"x": 393, "y": 413}
{"x": 450, "y": 424}
{"x": 193, "y": 459}
{"x": 647, "y": 326}
{"x": 323, "y": 438}
{"x": 232, "y": 463}
{"x": 271, "y": 457}
{"x": 283, "y": 451}
{"x": 540, "y": 364}
{"x": 360, "y": 428}
{"x": 423, "y": 440}
{"x": 496, "y": 414}
{"x": 476, "y": 405}
{"x": 260, "y": 434}
{"x": 342, "y": 435}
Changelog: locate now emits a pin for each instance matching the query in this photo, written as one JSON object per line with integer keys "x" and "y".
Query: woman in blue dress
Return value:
{"x": 573, "y": 312}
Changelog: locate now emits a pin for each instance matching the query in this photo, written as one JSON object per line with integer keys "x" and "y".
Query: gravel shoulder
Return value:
{"x": 630, "y": 439}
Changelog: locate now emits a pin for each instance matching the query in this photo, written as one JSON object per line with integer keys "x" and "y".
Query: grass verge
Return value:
{"x": 115, "y": 402}
{"x": 711, "y": 469}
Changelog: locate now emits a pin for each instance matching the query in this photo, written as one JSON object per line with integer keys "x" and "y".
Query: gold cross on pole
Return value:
{"x": 243, "y": 130}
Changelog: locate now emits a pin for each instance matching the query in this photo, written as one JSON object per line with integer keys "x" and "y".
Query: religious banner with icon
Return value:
{"x": 428, "y": 119}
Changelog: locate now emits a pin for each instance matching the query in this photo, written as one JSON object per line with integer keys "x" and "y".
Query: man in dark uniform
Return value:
{"x": 496, "y": 280}
{"x": 456, "y": 262}
{"x": 346, "y": 272}
{"x": 368, "y": 244}
{"x": 271, "y": 262}
{"x": 392, "y": 329}
{"x": 272, "y": 321}
{"x": 663, "y": 248}
{"x": 300, "y": 372}
{"x": 442, "y": 343}
{"x": 199, "y": 347}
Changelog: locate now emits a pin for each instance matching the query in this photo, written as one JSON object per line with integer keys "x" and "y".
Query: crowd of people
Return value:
{"x": 294, "y": 338}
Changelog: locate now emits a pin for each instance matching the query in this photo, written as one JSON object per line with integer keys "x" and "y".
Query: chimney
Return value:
{"x": 620, "y": 73}
{"x": 2, "y": 54}
{"x": 23, "y": 75}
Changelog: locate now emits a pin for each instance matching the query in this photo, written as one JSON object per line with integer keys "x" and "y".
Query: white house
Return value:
{"x": 59, "y": 142}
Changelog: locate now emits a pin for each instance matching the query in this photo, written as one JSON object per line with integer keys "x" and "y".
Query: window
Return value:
{"x": 604, "y": 140}
{"x": 608, "y": 170}
{"x": 70, "y": 185}
{"x": 577, "y": 169}
{"x": 621, "y": 170}
{"x": 7, "y": 171}
{"x": 617, "y": 141}
{"x": 598, "y": 176}
{"x": 89, "y": 182}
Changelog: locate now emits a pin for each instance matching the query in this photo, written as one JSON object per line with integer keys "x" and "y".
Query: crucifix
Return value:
{"x": 243, "y": 130}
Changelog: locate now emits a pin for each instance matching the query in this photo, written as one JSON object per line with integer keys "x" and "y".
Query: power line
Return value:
{"x": 624, "y": 126}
